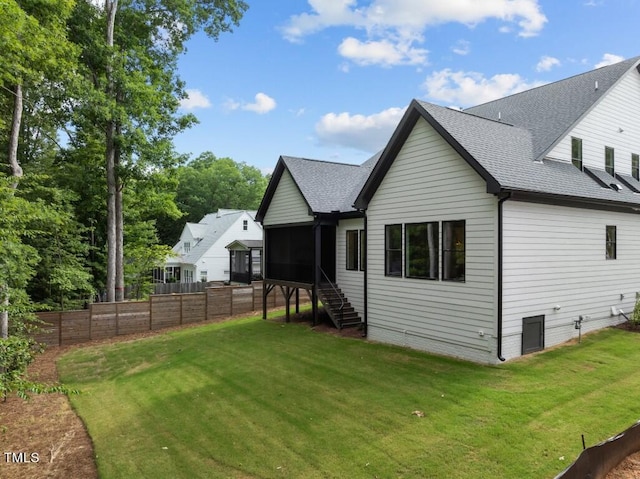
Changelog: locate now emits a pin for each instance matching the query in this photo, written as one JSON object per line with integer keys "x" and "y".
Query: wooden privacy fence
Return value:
{"x": 106, "y": 320}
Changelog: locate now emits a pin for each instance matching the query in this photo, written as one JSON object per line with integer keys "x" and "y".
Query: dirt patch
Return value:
{"x": 44, "y": 438}
{"x": 627, "y": 469}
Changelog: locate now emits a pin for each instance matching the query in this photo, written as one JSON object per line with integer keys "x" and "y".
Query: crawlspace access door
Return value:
{"x": 532, "y": 334}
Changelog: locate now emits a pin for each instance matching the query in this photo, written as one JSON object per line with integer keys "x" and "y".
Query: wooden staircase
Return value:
{"x": 338, "y": 307}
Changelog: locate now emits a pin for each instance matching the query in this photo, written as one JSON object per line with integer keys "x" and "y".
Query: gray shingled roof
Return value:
{"x": 550, "y": 110}
{"x": 326, "y": 186}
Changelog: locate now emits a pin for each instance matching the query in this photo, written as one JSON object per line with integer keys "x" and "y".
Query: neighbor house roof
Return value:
{"x": 505, "y": 141}
{"x": 211, "y": 227}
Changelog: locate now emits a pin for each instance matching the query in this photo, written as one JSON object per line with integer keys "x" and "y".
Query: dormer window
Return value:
{"x": 187, "y": 246}
{"x": 635, "y": 166}
{"x": 576, "y": 152}
{"x": 609, "y": 160}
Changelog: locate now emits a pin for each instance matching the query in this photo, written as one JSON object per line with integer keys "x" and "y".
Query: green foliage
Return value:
{"x": 207, "y": 184}
{"x": 634, "y": 318}
{"x": 16, "y": 353}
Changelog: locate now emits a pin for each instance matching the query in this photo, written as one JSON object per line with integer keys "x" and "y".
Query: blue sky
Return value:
{"x": 330, "y": 79}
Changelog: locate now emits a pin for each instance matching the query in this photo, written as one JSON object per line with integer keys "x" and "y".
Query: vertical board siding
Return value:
{"x": 429, "y": 181}
{"x": 350, "y": 282}
{"x": 555, "y": 256}
{"x": 287, "y": 205}
{"x": 619, "y": 109}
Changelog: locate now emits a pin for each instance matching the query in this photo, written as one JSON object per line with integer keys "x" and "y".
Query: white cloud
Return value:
{"x": 609, "y": 59}
{"x": 471, "y": 88}
{"x": 195, "y": 99}
{"x": 384, "y": 52}
{"x": 263, "y": 104}
{"x": 368, "y": 133}
{"x": 462, "y": 47}
{"x": 406, "y": 20}
{"x": 546, "y": 63}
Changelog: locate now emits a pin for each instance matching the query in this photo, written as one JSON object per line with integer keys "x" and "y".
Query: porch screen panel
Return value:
{"x": 289, "y": 254}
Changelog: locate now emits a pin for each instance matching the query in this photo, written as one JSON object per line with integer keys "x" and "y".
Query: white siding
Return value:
{"x": 620, "y": 109}
{"x": 287, "y": 205}
{"x": 429, "y": 181}
{"x": 216, "y": 260}
{"x": 555, "y": 256}
{"x": 351, "y": 282}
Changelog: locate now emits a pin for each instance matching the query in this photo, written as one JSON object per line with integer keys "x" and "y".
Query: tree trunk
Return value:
{"x": 119, "y": 237}
{"x": 110, "y": 159}
{"x": 16, "y": 172}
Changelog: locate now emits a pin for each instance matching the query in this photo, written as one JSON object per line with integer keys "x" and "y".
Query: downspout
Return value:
{"x": 500, "y": 241}
{"x": 366, "y": 267}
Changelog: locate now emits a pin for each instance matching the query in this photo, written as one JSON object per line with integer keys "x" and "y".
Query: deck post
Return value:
{"x": 297, "y": 300}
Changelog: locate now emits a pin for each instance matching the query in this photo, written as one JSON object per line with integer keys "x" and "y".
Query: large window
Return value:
{"x": 611, "y": 248}
{"x": 609, "y": 160}
{"x": 453, "y": 250}
{"x": 576, "y": 152}
{"x": 352, "y": 249}
{"x": 421, "y": 250}
{"x": 393, "y": 250}
{"x": 635, "y": 166}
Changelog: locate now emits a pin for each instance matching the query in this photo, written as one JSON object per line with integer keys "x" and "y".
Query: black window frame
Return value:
{"x": 610, "y": 157}
{"x": 351, "y": 250}
{"x": 576, "y": 147}
{"x": 448, "y": 250}
{"x": 388, "y": 251}
{"x": 611, "y": 242}
{"x": 635, "y": 166}
{"x": 409, "y": 256}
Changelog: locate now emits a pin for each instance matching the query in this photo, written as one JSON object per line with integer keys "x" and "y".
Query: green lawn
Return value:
{"x": 253, "y": 398}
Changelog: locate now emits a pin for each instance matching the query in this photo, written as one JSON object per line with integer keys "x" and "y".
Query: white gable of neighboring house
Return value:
{"x": 201, "y": 252}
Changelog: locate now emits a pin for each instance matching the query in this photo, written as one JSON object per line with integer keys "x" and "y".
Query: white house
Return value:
{"x": 201, "y": 253}
{"x": 484, "y": 234}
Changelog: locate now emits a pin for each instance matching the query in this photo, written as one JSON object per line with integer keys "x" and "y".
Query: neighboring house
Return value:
{"x": 201, "y": 253}
{"x": 486, "y": 233}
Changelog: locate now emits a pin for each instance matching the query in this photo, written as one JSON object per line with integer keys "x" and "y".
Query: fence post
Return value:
{"x": 150, "y": 312}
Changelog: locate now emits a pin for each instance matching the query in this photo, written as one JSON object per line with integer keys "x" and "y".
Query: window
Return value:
{"x": 363, "y": 249}
{"x": 187, "y": 246}
{"x": 421, "y": 250}
{"x": 576, "y": 152}
{"x": 609, "y": 160}
{"x": 611, "y": 252}
{"x": 393, "y": 250}
{"x": 453, "y": 252}
{"x": 352, "y": 250}
{"x": 635, "y": 166}
{"x": 188, "y": 276}
{"x": 245, "y": 225}
{"x": 203, "y": 276}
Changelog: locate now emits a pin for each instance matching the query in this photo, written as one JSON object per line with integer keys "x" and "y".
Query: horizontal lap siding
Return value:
{"x": 555, "y": 256}
{"x": 429, "y": 181}
{"x": 287, "y": 205}
{"x": 350, "y": 282}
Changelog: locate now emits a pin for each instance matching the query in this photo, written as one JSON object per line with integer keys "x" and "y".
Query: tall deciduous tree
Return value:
{"x": 130, "y": 52}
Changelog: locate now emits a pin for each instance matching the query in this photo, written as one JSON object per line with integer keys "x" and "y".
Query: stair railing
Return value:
{"x": 333, "y": 286}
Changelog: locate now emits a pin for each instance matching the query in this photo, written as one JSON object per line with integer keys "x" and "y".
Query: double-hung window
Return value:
{"x": 363, "y": 249}
{"x": 453, "y": 250}
{"x": 393, "y": 250}
{"x": 421, "y": 250}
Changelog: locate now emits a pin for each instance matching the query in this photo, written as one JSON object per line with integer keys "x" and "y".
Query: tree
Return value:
{"x": 208, "y": 183}
{"x": 130, "y": 51}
